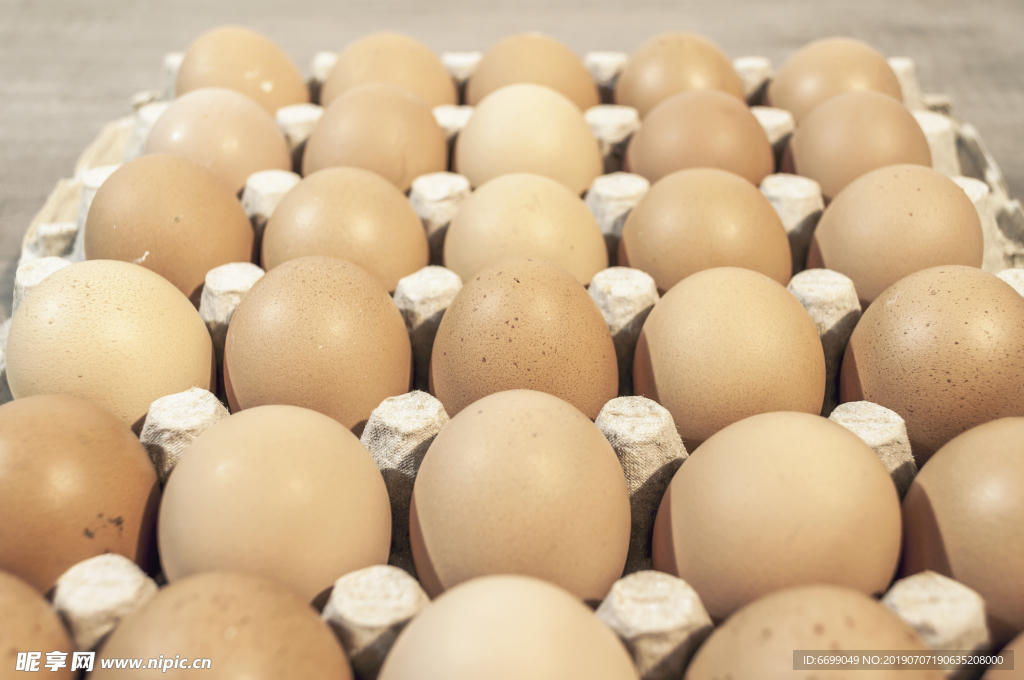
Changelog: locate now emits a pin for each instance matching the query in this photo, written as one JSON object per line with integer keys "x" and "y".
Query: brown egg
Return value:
{"x": 760, "y": 639}
{"x": 944, "y": 348}
{"x": 224, "y": 131}
{"x": 75, "y": 483}
{"x": 320, "y": 333}
{"x": 725, "y": 344}
{"x": 964, "y": 518}
{"x": 524, "y": 215}
{"x": 893, "y": 222}
{"x": 243, "y": 60}
{"x": 378, "y": 127}
{"x": 1017, "y": 647}
{"x": 829, "y": 67}
{"x": 170, "y": 216}
{"x": 528, "y": 128}
{"x": 354, "y": 215}
{"x": 29, "y": 624}
{"x": 701, "y": 129}
{"x": 507, "y": 627}
{"x": 532, "y": 58}
{"x": 524, "y": 323}
{"x": 279, "y": 491}
{"x": 671, "y": 63}
{"x": 521, "y": 482}
{"x": 703, "y": 218}
{"x": 245, "y": 626}
{"x": 852, "y": 134}
{"x": 778, "y": 500}
{"x": 391, "y": 58}
{"x": 112, "y": 333}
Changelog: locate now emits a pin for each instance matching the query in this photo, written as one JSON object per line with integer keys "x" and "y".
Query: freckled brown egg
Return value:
{"x": 725, "y": 344}
{"x": 354, "y": 215}
{"x": 964, "y": 517}
{"x": 378, "y": 127}
{"x": 74, "y": 483}
{"x": 523, "y": 215}
{"x": 778, "y": 500}
{"x": 320, "y": 333}
{"x": 112, "y": 333}
{"x": 279, "y": 491}
{"x": 524, "y": 323}
{"x": 245, "y": 626}
{"x": 243, "y": 60}
{"x": 528, "y": 128}
{"x": 893, "y": 222}
{"x": 224, "y": 131}
{"x": 759, "y": 640}
{"x": 520, "y": 482}
{"x": 701, "y": 129}
{"x": 171, "y": 216}
{"x": 507, "y": 627}
{"x": 532, "y": 58}
{"x": 671, "y": 63}
{"x": 391, "y": 58}
{"x": 703, "y": 218}
{"x": 29, "y": 624}
{"x": 944, "y": 348}
{"x": 829, "y": 67}
{"x": 852, "y": 134}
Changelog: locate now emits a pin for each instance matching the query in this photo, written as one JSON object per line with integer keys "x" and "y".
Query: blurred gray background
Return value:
{"x": 69, "y": 66}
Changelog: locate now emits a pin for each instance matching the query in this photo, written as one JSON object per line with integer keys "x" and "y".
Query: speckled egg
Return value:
{"x": 354, "y": 215}
{"x": 703, "y": 218}
{"x": 525, "y": 215}
{"x": 524, "y": 323}
{"x": 320, "y": 333}
{"x": 893, "y": 222}
{"x": 964, "y": 517}
{"x": 74, "y": 483}
{"x": 110, "y": 332}
{"x": 29, "y": 624}
{"x": 944, "y": 348}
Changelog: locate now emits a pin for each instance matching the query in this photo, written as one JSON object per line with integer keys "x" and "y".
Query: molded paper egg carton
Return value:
{"x": 644, "y": 437}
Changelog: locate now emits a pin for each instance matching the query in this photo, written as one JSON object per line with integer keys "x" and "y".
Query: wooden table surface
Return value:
{"x": 69, "y": 66}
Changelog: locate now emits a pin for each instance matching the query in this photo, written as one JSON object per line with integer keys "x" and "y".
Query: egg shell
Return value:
{"x": 828, "y": 67}
{"x": 703, "y": 218}
{"x": 378, "y": 127}
{"x": 320, "y": 333}
{"x": 525, "y": 215}
{"x": 701, "y": 129}
{"x": 279, "y": 491}
{"x": 29, "y": 624}
{"x": 74, "y": 483}
{"x": 671, "y": 63}
{"x": 170, "y": 216}
{"x": 247, "y": 626}
{"x": 224, "y": 131}
{"x": 245, "y": 61}
{"x": 1017, "y": 646}
{"x": 851, "y": 134}
{"x": 759, "y": 640}
{"x": 391, "y": 58}
{"x": 943, "y": 348}
{"x": 524, "y": 323}
{"x": 964, "y": 518}
{"x": 532, "y": 58}
{"x": 778, "y": 500}
{"x": 507, "y": 627}
{"x": 112, "y": 333}
{"x": 893, "y": 222}
{"x": 354, "y": 215}
{"x": 725, "y": 344}
{"x": 521, "y": 482}
{"x": 528, "y": 128}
